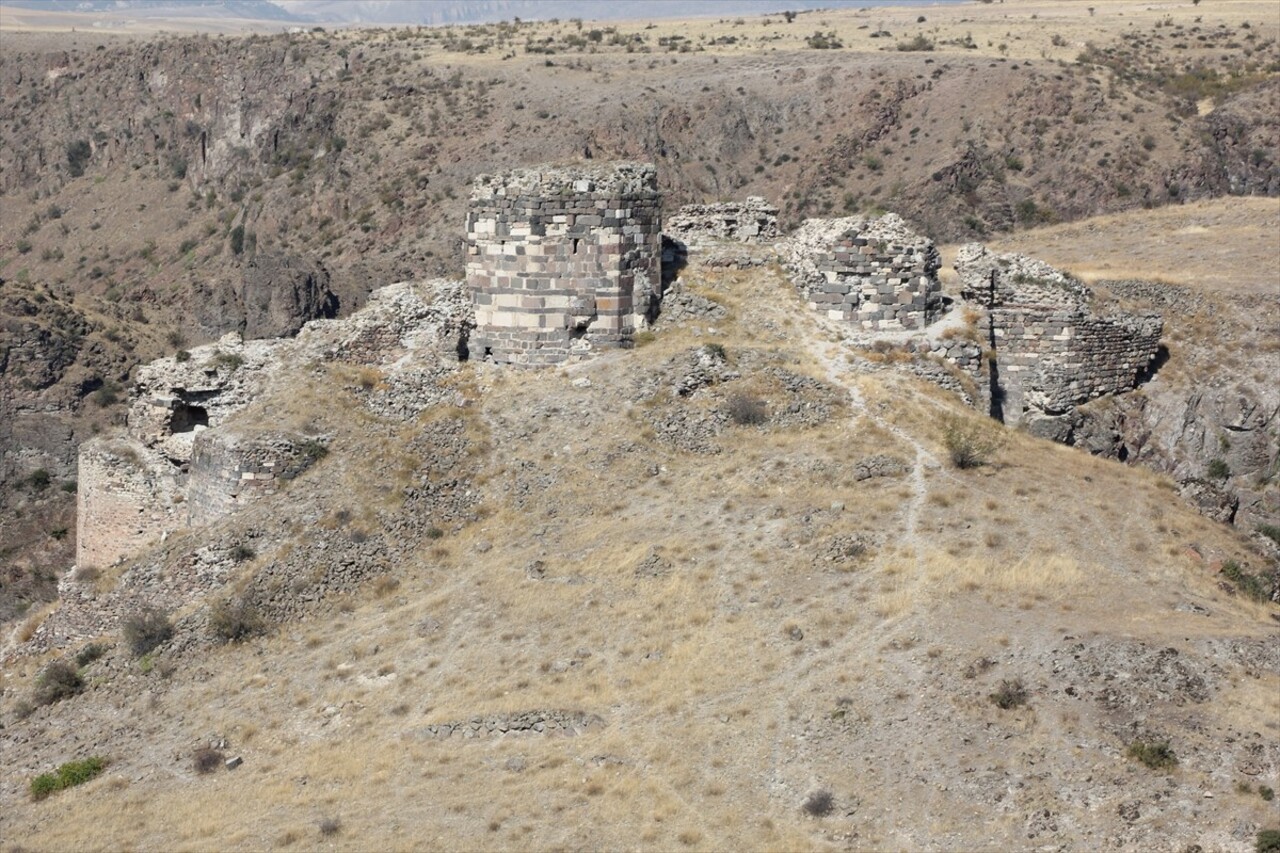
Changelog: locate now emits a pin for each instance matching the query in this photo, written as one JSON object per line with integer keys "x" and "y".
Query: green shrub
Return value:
{"x": 970, "y": 444}
{"x": 1267, "y": 792}
{"x": 917, "y": 43}
{"x": 229, "y": 360}
{"x": 146, "y": 630}
{"x": 90, "y": 653}
{"x": 1218, "y": 469}
{"x": 78, "y": 154}
{"x": 820, "y": 803}
{"x": 1249, "y": 585}
{"x": 59, "y": 680}
{"x": 1271, "y": 531}
{"x": 1157, "y": 756}
{"x": 1268, "y": 841}
{"x": 206, "y": 759}
{"x": 67, "y": 776}
{"x": 237, "y": 239}
{"x": 242, "y": 552}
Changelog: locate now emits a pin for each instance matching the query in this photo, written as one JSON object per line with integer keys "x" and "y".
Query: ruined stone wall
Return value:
{"x": 876, "y": 274}
{"x": 561, "y": 261}
{"x": 750, "y": 221}
{"x": 1052, "y": 351}
{"x": 127, "y": 498}
{"x": 1055, "y": 360}
{"x": 230, "y": 468}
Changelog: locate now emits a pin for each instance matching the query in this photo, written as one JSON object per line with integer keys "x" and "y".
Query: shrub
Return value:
{"x": 824, "y": 41}
{"x": 970, "y": 444}
{"x": 67, "y": 776}
{"x": 206, "y": 759}
{"x": 917, "y": 43}
{"x": 820, "y": 803}
{"x": 745, "y": 410}
{"x": 242, "y": 552}
{"x": 1010, "y": 695}
{"x": 313, "y": 450}
{"x": 1157, "y": 756}
{"x": 38, "y": 480}
{"x": 714, "y": 350}
{"x": 90, "y": 653}
{"x": 146, "y": 630}
{"x": 1271, "y": 531}
{"x": 78, "y": 154}
{"x": 330, "y": 826}
{"x": 1218, "y": 469}
{"x": 235, "y": 621}
{"x": 237, "y": 239}
{"x": 229, "y": 360}
{"x": 1250, "y": 585}
{"x": 1266, "y": 792}
{"x": 59, "y": 680}
{"x": 1268, "y": 841}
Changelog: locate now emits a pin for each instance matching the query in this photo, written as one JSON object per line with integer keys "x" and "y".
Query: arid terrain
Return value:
{"x": 611, "y": 604}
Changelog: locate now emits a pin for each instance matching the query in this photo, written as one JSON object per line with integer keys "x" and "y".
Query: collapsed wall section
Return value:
{"x": 127, "y": 498}
{"x": 874, "y": 273}
{"x": 562, "y": 261}
{"x": 750, "y": 221}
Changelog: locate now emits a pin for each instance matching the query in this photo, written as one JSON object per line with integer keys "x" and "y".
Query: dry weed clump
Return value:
{"x": 971, "y": 443}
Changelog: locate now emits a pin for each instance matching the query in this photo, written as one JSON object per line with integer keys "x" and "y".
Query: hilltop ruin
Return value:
{"x": 562, "y": 261}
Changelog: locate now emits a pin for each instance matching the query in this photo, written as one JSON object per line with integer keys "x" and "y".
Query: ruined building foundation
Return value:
{"x": 562, "y": 261}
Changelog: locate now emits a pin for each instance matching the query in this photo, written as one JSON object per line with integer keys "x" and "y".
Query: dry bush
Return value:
{"x": 206, "y": 759}
{"x": 745, "y": 410}
{"x": 820, "y": 803}
{"x": 146, "y": 630}
{"x": 235, "y": 620}
{"x": 971, "y": 443}
{"x": 59, "y": 680}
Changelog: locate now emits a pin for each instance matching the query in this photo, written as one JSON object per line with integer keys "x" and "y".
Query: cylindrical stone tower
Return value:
{"x": 562, "y": 261}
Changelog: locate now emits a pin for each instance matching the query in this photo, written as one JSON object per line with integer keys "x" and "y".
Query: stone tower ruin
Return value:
{"x": 562, "y": 261}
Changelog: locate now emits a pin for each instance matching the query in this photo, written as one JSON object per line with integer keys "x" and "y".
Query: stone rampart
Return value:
{"x": 750, "y": 221}
{"x": 1052, "y": 351}
{"x": 231, "y": 467}
{"x": 128, "y": 497}
{"x": 876, "y": 274}
{"x": 562, "y": 261}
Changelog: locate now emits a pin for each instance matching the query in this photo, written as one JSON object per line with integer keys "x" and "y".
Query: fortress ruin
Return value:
{"x": 1050, "y": 351}
{"x": 562, "y": 261}
{"x": 874, "y": 273}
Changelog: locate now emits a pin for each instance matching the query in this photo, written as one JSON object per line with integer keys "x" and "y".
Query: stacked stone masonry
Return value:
{"x": 1053, "y": 352}
{"x": 876, "y": 274}
{"x": 128, "y": 497}
{"x": 562, "y": 261}
{"x": 750, "y": 221}
{"x": 230, "y": 468}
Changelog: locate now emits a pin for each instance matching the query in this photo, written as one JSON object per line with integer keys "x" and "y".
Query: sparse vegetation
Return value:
{"x": 67, "y": 776}
{"x": 970, "y": 443}
{"x": 745, "y": 410}
{"x": 1268, "y": 841}
{"x": 146, "y": 630}
{"x": 819, "y": 803}
{"x": 1012, "y": 693}
{"x": 235, "y": 620}
{"x": 57, "y": 681}
{"x": 1157, "y": 756}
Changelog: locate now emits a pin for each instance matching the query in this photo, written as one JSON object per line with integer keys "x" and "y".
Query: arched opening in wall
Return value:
{"x": 573, "y": 246}
{"x": 186, "y": 418}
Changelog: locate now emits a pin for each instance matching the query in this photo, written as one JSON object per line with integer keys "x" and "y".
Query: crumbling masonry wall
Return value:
{"x": 1050, "y": 350}
{"x": 562, "y": 261}
{"x": 876, "y": 274}
{"x": 126, "y": 499}
{"x": 230, "y": 468}
{"x": 750, "y": 221}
